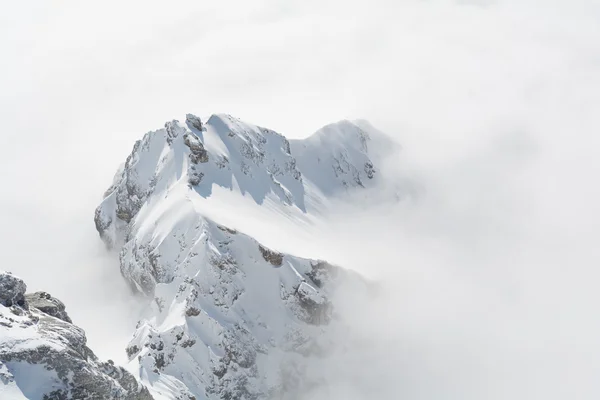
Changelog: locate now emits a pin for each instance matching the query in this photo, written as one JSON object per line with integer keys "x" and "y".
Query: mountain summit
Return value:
{"x": 228, "y": 317}
{"x": 245, "y": 158}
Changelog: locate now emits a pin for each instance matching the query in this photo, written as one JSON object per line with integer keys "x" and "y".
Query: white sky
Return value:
{"x": 497, "y": 104}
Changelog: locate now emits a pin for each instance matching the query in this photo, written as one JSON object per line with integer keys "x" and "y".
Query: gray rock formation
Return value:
{"x": 42, "y": 352}
{"x": 48, "y": 305}
{"x": 12, "y": 290}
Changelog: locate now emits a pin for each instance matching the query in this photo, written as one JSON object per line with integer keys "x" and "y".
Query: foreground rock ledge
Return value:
{"x": 43, "y": 355}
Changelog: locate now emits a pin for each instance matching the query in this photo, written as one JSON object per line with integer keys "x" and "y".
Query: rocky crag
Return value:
{"x": 43, "y": 355}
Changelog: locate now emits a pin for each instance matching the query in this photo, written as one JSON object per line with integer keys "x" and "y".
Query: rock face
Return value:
{"x": 44, "y": 356}
{"x": 12, "y": 291}
{"x": 48, "y": 305}
{"x": 227, "y": 317}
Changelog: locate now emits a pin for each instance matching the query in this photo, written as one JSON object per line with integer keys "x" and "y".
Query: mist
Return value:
{"x": 488, "y": 272}
{"x": 487, "y": 288}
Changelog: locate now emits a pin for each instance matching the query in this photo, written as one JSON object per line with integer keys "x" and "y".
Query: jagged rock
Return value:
{"x": 172, "y": 131}
{"x": 41, "y": 337}
{"x": 132, "y": 350}
{"x": 194, "y": 121}
{"x": 273, "y": 257}
{"x": 12, "y": 290}
{"x": 369, "y": 169}
{"x": 47, "y": 304}
{"x": 194, "y": 176}
{"x": 226, "y": 229}
{"x": 197, "y": 152}
{"x": 192, "y": 312}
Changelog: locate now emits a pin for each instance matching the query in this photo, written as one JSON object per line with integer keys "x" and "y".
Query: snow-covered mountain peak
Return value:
{"x": 227, "y": 317}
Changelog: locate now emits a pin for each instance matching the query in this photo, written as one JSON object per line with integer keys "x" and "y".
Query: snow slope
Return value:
{"x": 227, "y": 317}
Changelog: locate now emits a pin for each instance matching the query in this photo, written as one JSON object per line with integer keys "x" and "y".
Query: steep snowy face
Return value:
{"x": 44, "y": 356}
{"x": 227, "y": 317}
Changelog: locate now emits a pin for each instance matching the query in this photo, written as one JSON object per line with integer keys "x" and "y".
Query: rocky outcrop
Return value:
{"x": 271, "y": 256}
{"x": 194, "y": 121}
{"x": 198, "y": 155}
{"x": 42, "y": 351}
{"x": 47, "y": 304}
{"x": 197, "y": 152}
{"x": 12, "y": 291}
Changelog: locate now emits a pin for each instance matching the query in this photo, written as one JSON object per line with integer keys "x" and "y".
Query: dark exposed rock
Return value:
{"x": 12, "y": 290}
{"x": 226, "y": 229}
{"x": 128, "y": 191}
{"x": 192, "y": 312}
{"x": 188, "y": 343}
{"x": 102, "y": 223}
{"x": 159, "y": 360}
{"x": 194, "y": 121}
{"x": 171, "y": 130}
{"x": 47, "y": 304}
{"x": 198, "y": 153}
{"x": 132, "y": 351}
{"x": 369, "y": 169}
{"x": 194, "y": 176}
{"x": 54, "y": 343}
{"x": 78, "y": 369}
{"x": 271, "y": 256}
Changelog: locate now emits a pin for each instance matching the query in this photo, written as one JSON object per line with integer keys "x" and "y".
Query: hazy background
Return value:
{"x": 492, "y": 276}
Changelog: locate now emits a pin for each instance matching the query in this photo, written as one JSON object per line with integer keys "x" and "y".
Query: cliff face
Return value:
{"x": 227, "y": 317}
{"x": 44, "y": 356}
